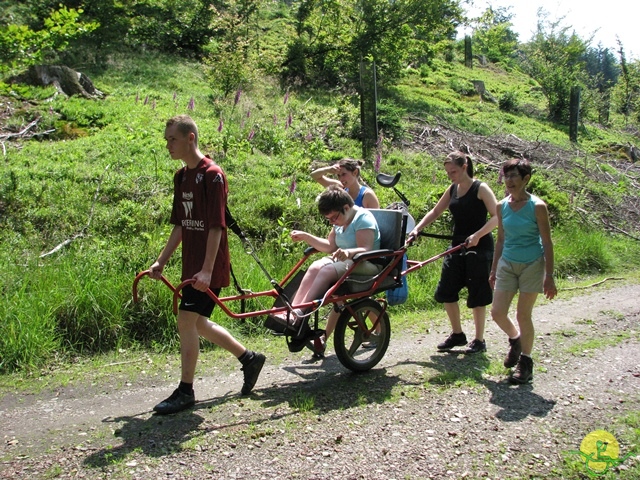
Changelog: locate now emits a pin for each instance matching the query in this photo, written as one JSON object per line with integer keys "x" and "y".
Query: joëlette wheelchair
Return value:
{"x": 359, "y": 300}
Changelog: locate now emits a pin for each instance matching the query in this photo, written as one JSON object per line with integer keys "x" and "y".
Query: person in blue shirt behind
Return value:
{"x": 348, "y": 172}
{"x": 523, "y": 262}
{"x": 347, "y": 176}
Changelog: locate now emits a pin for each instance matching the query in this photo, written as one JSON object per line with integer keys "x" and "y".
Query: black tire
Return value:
{"x": 352, "y": 330}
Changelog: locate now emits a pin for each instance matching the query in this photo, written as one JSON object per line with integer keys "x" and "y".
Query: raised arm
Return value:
{"x": 320, "y": 175}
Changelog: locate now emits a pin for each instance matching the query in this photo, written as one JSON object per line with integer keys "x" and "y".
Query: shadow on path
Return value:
{"x": 320, "y": 390}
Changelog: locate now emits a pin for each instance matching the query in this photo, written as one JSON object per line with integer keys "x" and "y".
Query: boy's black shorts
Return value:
{"x": 196, "y": 301}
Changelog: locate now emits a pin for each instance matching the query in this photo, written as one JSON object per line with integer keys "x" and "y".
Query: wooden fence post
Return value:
{"x": 368, "y": 108}
{"x": 574, "y": 113}
{"x": 468, "y": 54}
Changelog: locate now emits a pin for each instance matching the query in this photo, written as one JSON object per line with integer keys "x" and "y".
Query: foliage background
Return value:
{"x": 275, "y": 89}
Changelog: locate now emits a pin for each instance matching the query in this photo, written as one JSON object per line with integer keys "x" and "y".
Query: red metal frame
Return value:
{"x": 330, "y": 297}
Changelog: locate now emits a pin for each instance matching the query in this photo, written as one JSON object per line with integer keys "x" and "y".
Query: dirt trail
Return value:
{"x": 354, "y": 426}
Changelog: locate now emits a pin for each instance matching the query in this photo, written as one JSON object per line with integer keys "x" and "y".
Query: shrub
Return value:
{"x": 508, "y": 101}
{"x": 390, "y": 118}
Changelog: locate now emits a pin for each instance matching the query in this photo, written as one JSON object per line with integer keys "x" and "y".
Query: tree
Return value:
{"x": 333, "y": 37}
{"x": 22, "y": 46}
{"x": 110, "y": 17}
{"x": 354, "y": 44}
{"x": 228, "y": 54}
{"x": 627, "y": 92}
{"x": 175, "y": 26}
{"x": 603, "y": 72}
{"x": 492, "y": 35}
{"x": 555, "y": 59}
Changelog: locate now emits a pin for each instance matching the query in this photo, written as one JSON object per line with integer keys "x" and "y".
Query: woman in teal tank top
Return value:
{"x": 522, "y": 262}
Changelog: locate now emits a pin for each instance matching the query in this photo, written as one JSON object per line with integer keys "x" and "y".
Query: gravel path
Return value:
{"x": 419, "y": 414}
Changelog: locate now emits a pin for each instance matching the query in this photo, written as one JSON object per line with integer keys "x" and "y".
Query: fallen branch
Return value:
{"x": 85, "y": 228}
{"x": 613, "y": 227}
{"x": 22, "y": 132}
{"x": 593, "y": 284}
{"x": 62, "y": 245}
{"x": 115, "y": 364}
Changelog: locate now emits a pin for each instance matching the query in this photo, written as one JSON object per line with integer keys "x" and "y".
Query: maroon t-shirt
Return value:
{"x": 199, "y": 201}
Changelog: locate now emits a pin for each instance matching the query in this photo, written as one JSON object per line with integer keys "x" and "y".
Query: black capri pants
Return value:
{"x": 468, "y": 269}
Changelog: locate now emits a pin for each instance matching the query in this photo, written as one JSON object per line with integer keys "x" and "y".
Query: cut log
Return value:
{"x": 478, "y": 86}
{"x": 66, "y": 80}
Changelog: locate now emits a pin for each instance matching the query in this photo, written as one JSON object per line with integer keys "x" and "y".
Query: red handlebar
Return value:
{"x": 142, "y": 274}
{"x": 176, "y": 290}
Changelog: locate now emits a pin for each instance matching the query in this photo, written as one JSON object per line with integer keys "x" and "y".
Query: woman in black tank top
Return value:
{"x": 470, "y": 201}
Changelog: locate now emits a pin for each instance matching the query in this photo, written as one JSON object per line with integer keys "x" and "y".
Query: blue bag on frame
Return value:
{"x": 397, "y": 296}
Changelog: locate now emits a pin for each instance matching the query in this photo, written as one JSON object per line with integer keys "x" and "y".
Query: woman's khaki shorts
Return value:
{"x": 523, "y": 277}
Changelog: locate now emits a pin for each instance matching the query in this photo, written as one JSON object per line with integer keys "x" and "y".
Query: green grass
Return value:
{"x": 99, "y": 190}
{"x": 591, "y": 347}
{"x": 303, "y": 402}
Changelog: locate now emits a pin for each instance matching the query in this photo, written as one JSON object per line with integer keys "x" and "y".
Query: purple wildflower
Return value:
{"x": 251, "y": 134}
{"x": 220, "y": 125}
{"x": 192, "y": 104}
{"x": 237, "y": 99}
{"x": 292, "y": 187}
{"x": 248, "y": 113}
{"x": 286, "y": 97}
{"x": 146, "y": 100}
{"x": 309, "y": 137}
{"x": 288, "y": 122}
{"x": 242, "y": 124}
{"x": 378, "y": 162}
{"x": 137, "y": 97}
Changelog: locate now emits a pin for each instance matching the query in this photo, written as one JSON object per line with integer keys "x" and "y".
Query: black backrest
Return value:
{"x": 390, "y": 224}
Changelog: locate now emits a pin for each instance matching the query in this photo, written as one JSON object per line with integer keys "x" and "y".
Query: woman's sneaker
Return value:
{"x": 515, "y": 349}
{"x": 523, "y": 372}
{"x": 453, "y": 340}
